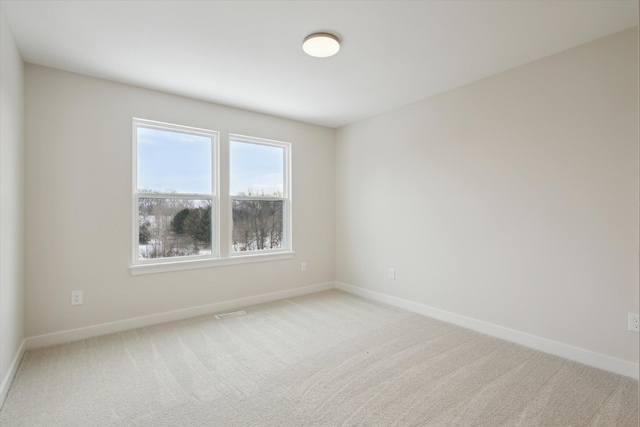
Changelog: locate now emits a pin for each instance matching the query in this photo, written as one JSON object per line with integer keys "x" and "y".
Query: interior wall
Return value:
{"x": 11, "y": 202}
{"x": 79, "y": 203}
{"x": 512, "y": 200}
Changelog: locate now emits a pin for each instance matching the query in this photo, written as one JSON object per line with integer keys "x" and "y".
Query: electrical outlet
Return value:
{"x": 303, "y": 267}
{"x": 76, "y": 297}
{"x": 392, "y": 273}
{"x": 633, "y": 322}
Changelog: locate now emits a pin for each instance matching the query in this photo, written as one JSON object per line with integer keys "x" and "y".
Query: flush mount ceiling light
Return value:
{"x": 321, "y": 45}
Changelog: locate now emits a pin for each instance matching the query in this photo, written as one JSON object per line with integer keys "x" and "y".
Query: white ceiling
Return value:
{"x": 248, "y": 54}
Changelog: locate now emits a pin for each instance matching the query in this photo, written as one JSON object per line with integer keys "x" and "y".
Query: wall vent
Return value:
{"x": 232, "y": 314}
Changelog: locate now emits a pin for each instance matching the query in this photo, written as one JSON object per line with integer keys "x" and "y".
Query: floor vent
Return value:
{"x": 232, "y": 314}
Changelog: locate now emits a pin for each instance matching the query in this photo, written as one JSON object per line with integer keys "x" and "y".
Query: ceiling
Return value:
{"x": 248, "y": 54}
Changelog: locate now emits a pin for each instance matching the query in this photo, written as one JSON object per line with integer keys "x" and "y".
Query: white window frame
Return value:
{"x": 286, "y": 197}
{"x": 216, "y": 258}
{"x": 213, "y": 197}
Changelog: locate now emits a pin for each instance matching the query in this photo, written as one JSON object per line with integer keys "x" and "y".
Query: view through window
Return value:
{"x": 176, "y": 205}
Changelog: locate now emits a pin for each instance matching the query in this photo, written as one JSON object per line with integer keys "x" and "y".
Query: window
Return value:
{"x": 174, "y": 189}
{"x": 178, "y": 215}
{"x": 259, "y": 188}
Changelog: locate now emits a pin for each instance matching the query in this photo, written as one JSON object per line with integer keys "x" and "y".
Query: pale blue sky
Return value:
{"x": 176, "y": 162}
{"x": 255, "y": 166}
{"x": 173, "y": 162}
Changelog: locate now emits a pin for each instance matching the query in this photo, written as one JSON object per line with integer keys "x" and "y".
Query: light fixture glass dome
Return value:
{"x": 321, "y": 45}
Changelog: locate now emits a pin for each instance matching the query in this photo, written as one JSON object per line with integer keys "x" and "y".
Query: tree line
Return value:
{"x": 174, "y": 227}
{"x": 182, "y": 227}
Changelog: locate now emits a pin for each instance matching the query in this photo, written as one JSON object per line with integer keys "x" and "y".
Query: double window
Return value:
{"x": 180, "y": 219}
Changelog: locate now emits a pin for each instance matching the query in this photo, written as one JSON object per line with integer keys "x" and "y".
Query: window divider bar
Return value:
{"x": 175, "y": 196}
{"x": 266, "y": 199}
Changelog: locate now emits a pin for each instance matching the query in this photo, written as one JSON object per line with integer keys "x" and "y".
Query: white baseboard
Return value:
{"x": 8, "y": 379}
{"x": 154, "y": 319}
{"x": 566, "y": 351}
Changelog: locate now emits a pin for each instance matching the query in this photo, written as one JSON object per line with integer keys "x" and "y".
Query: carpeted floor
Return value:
{"x": 327, "y": 359}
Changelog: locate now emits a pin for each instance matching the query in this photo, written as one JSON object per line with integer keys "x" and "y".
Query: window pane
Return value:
{"x": 256, "y": 170}
{"x": 258, "y": 225}
{"x": 174, "y": 227}
{"x": 173, "y": 162}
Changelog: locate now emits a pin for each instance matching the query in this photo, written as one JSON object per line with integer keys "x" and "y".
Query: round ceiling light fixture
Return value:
{"x": 321, "y": 45}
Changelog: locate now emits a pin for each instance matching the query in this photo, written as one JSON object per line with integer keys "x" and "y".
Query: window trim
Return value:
{"x": 214, "y": 196}
{"x": 287, "y": 227}
{"x": 217, "y": 257}
{"x": 189, "y": 264}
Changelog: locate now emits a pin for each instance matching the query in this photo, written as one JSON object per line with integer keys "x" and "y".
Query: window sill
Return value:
{"x": 150, "y": 268}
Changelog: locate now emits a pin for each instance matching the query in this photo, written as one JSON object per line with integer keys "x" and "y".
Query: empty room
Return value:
{"x": 319, "y": 213}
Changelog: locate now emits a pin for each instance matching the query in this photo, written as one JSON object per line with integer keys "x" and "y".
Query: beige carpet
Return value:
{"x": 328, "y": 359}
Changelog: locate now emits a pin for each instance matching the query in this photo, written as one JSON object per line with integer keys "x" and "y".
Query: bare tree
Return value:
{"x": 257, "y": 224}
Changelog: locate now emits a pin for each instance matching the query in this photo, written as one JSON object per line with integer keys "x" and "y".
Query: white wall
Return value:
{"x": 79, "y": 203}
{"x": 11, "y": 206}
{"x": 512, "y": 200}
